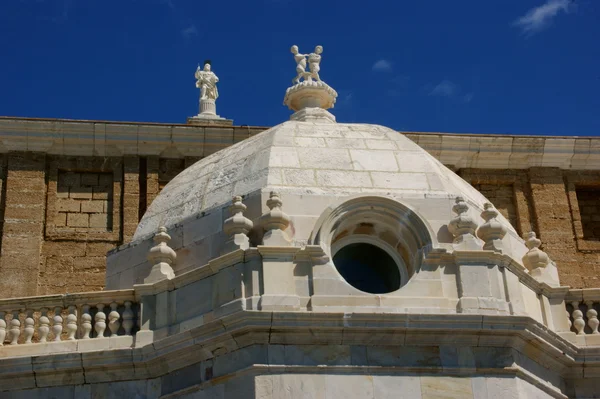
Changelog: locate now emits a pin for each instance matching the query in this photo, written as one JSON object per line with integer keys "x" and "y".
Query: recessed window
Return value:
{"x": 588, "y": 199}
{"x": 368, "y": 268}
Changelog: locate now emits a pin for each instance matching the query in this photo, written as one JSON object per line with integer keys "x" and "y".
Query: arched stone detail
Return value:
{"x": 390, "y": 223}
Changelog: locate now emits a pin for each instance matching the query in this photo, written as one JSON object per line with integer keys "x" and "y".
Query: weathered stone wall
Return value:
{"x": 560, "y": 206}
{"x": 60, "y": 214}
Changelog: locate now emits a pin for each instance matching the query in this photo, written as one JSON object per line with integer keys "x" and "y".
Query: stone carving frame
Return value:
{"x": 404, "y": 229}
{"x": 112, "y": 165}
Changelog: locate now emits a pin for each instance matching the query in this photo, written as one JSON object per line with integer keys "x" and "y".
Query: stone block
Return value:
{"x": 81, "y": 192}
{"x": 392, "y": 387}
{"x": 99, "y": 193}
{"x": 292, "y": 386}
{"x": 60, "y": 220}
{"x": 78, "y": 220}
{"x": 435, "y": 387}
{"x": 338, "y": 178}
{"x": 63, "y": 248}
{"x": 68, "y": 205}
{"x": 99, "y": 220}
{"x": 333, "y": 158}
{"x": 374, "y": 160}
{"x": 93, "y": 206}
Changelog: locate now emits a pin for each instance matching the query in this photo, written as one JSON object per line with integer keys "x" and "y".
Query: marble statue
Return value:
{"x": 300, "y": 64}
{"x": 314, "y": 59}
{"x": 206, "y": 81}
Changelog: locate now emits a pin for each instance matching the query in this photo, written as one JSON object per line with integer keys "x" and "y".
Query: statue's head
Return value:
{"x": 318, "y": 49}
{"x": 207, "y": 67}
{"x": 294, "y": 49}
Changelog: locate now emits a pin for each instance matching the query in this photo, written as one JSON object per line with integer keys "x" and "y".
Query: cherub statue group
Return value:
{"x": 314, "y": 59}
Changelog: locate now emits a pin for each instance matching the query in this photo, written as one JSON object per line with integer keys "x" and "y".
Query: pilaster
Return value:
{"x": 131, "y": 192}
{"x": 24, "y": 214}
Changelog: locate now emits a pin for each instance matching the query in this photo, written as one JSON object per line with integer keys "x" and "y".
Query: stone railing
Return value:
{"x": 582, "y": 307}
{"x": 69, "y": 317}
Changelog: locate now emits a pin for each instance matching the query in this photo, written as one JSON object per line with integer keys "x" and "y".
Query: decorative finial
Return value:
{"x": 275, "y": 222}
{"x": 463, "y": 227}
{"x": 535, "y": 257}
{"x": 492, "y": 231}
{"x": 311, "y": 97}
{"x": 237, "y": 226}
{"x": 162, "y": 256}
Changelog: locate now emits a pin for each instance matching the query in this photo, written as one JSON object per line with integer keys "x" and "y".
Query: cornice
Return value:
{"x": 245, "y": 328}
{"x": 177, "y": 140}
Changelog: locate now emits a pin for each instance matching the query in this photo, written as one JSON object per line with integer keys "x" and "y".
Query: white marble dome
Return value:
{"x": 309, "y": 160}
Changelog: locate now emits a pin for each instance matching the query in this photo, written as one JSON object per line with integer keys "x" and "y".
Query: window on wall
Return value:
{"x": 588, "y": 200}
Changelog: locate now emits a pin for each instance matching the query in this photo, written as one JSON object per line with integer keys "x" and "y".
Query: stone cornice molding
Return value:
{"x": 489, "y": 258}
{"x": 110, "y": 138}
{"x": 510, "y": 151}
{"x": 104, "y": 138}
{"x": 240, "y": 330}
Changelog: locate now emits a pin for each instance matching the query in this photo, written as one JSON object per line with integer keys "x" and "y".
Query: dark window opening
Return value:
{"x": 588, "y": 199}
{"x": 368, "y": 268}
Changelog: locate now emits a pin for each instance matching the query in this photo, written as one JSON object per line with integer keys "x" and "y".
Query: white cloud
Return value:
{"x": 445, "y": 89}
{"x": 382, "y": 66}
{"x": 189, "y": 31}
{"x": 540, "y": 17}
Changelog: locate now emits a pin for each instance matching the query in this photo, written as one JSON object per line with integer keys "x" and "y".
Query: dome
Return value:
{"x": 311, "y": 158}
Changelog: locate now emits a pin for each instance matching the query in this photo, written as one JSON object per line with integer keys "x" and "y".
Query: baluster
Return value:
{"x": 29, "y": 326}
{"x": 44, "y": 327}
{"x": 113, "y": 319}
{"x": 15, "y": 328}
{"x": 592, "y": 315}
{"x": 100, "y": 321}
{"x": 2, "y": 328}
{"x": 86, "y": 321}
{"x": 72, "y": 323}
{"x": 569, "y": 319}
{"x": 127, "y": 318}
{"x": 578, "y": 321}
{"x": 57, "y": 327}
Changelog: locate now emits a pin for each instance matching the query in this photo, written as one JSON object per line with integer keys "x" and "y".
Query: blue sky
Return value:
{"x": 493, "y": 66}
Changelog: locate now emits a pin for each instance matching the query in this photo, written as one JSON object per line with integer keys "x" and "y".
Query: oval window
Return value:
{"x": 368, "y": 268}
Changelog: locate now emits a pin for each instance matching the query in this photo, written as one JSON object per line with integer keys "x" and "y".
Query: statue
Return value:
{"x": 314, "y": 59}
{"x": 206, "y": 81}
{"x": 311, "y": 97}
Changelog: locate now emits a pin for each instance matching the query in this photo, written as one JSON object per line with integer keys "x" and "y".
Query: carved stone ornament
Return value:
{"x": 535, "y": 257}
{"x": 275, "y": 222}
{"x": 162, "y": 256}
{"x": 463, "y": 227}
{"x": 237, "y": 226}
{"x": 206, "y": 81}
{"x": 492, "y": 231}
{"x": 310, "y": 97}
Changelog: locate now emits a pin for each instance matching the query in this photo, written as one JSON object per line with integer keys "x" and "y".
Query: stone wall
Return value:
{"x": 60, "y": 214}
{"x": 560, "y": 206}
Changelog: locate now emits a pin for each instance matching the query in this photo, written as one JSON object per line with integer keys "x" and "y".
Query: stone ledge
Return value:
{"x": 220, "y": 342}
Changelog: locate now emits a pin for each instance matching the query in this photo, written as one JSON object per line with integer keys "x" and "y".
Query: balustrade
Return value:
{"x": 67, "y": 317}
{"x": 582, "y": 311}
